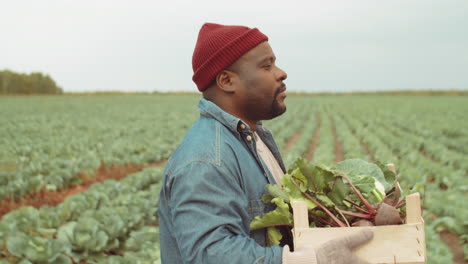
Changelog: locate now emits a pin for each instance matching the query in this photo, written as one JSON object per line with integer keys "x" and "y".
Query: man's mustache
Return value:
{"x": 281, "y": 89}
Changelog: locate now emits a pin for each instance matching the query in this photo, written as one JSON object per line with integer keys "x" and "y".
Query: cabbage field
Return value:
{"x": 80, "y": 175}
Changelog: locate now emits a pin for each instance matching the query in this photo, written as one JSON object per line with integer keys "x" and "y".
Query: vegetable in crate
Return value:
{"x": 353, "y": 192}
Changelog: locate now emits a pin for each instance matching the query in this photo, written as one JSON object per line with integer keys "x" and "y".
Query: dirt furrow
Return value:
{"x": 366, "y": 148}
{"x": 338, "y": 147}
{"x": 313, "y": 144}
{"x": 363, "y": 145}
{"x": 427, "y": 156}
{"x": 452, "y": 242}
{"x": 53, "y": 198}
{"x": 292, "y": 140}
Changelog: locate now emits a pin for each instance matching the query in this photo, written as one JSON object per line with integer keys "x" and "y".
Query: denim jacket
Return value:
{"x": 212, "y": 189}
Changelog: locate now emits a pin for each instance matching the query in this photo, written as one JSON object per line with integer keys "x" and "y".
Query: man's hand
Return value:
{"x": 336, "y": 251}
{"x": 339, "y": 251}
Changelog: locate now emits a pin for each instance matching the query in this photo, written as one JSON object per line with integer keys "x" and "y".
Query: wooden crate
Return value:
{"x": 403, "y": 244}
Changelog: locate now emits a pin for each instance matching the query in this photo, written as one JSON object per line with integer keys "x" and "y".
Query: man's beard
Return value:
{"x": 276, "y": 109}
{"x": 257, "y": 109}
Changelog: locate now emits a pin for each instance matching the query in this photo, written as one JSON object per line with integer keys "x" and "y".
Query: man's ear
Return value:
{"x": 226, "y": 81}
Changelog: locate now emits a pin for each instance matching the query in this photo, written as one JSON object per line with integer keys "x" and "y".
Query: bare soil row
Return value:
{"x": 315, "y": 138}
{"x": 292, "y": 140}
{"x": 53, "y": 198}
{"x": 452, "y": 242}
{"x": 339, "y": 156}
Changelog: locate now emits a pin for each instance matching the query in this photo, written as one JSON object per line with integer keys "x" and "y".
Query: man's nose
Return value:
{"x": 282, "y": 74}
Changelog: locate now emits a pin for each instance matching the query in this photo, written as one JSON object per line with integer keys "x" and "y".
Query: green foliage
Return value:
{"x": 280, "y": 216}
{"x": 34, "y": 83}
{"x": 368, "y": 178}
{"x": 109, "y": 216}
{"x": 319, "y": 186}
{"x": 37, "y": 249}
{"x": 46, "y": 141}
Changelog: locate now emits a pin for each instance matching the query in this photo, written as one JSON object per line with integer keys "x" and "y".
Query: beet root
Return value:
{"x": 390, "y": 201}
{"x": 387, "y": 215}
{"x": 363, "y": 222}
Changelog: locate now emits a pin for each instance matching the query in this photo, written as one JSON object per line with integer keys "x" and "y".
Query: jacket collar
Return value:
{"x": 210, "y": 109}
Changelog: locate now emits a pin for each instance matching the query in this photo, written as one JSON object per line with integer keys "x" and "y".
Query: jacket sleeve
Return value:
{"x": 207, "y": 205}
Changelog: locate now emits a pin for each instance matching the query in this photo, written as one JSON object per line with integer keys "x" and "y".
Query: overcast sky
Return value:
{"x": 131, "y": 45}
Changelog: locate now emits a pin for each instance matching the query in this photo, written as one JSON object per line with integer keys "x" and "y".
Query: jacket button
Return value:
{"x": 242, "y": 126}
{"x": 249, "y": 138}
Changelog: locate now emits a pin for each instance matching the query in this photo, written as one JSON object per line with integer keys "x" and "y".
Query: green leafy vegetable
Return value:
{"x": 350, "y": 192}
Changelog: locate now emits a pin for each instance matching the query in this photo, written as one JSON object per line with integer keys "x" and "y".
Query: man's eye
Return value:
{"x": 267, "y": 66}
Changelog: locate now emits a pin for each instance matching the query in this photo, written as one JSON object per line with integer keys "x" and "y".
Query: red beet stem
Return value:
{"x": 358, "y": 193}
{"x": 400, "y": 203}
{"x": 363, "y": 216}
{"x": 326, "y": 221}
{"x": 341, "y": 214}
{"x": 341, "y": 224}
{"x": 358, "y": 207}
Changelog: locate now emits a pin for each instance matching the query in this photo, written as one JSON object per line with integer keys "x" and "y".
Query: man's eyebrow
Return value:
{"x": 268, "y": 59}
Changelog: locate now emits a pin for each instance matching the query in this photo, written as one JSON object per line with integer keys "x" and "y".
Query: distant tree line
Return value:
{"x": 21, "y": 83}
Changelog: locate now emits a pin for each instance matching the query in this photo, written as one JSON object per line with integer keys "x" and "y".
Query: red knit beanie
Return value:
{"x": 218, "y": 46}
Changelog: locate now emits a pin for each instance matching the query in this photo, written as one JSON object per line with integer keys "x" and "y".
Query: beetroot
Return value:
{"x": 363, "y": 222}
{"x": 387, "y": 215}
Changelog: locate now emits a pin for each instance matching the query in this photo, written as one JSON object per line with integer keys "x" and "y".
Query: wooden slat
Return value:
{"x": 413, "y": 209}
{"x": 301, "y": 220}
{"x": 301, "y": 216}
{"x": 402, "y": 244}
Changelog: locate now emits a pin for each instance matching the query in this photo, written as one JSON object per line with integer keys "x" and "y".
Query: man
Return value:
{"x": 214, "y": 181}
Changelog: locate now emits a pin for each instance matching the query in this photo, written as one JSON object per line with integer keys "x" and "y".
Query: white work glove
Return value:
{"x": 336, "y": 251}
